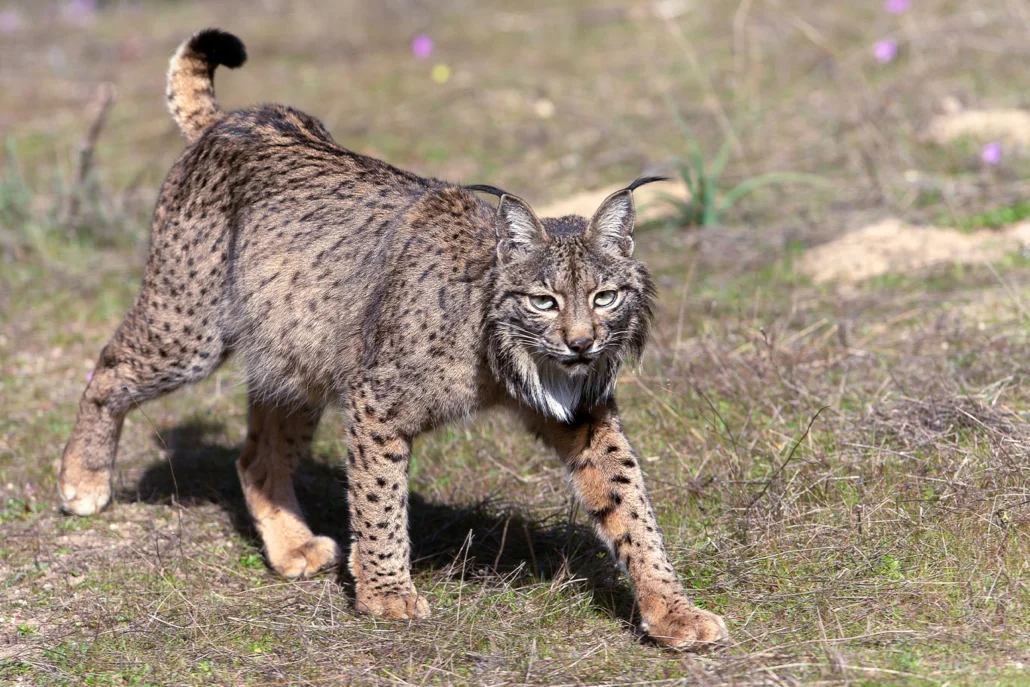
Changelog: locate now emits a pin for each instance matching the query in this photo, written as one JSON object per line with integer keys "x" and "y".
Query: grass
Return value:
{"x": 707, "y": 200}
{"x": 997, "y": 217}
{"x": 887, "y": 546}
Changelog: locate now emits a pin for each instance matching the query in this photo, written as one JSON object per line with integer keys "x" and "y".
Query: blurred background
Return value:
{"x": 551, "y": 98}
{"x": 832, "y": 415}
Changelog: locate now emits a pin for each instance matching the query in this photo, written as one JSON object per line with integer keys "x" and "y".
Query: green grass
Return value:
{"x": 996, "y": 218}
{"x": 709, "y": 197}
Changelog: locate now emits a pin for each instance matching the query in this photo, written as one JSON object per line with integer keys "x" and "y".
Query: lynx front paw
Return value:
{"x": 688, "y": 628}
{"x": 317, "y": 553}
{"x": 84, "y": 492}
{"x": 406, "y": 606}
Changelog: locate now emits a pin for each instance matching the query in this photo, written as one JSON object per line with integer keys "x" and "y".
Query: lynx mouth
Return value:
{"x": 576, "y": 364}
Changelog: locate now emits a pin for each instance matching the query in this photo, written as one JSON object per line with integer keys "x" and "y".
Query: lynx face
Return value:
{"x": 571, "y": 304}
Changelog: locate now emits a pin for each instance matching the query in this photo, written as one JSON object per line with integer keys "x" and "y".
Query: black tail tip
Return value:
{"x": 219, "y": 47}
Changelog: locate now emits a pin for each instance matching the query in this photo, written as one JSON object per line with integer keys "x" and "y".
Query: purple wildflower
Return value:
{"x": 885, "y": 51}
{"x": 421, "y": 46}
{"x": 10, "y": 21}
{"x": 896, "y": 6}
{"x": 991, "y": 154}
{"x": 79, "y": 12}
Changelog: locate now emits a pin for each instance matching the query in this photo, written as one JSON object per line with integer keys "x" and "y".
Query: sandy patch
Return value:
{"x": 892, "y": 246}
{"x": 1010, "y": 126}
{"x": 648, "y": 200}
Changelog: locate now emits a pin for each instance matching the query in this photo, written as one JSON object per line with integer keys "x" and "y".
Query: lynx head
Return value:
{"x": 571, "y": 303}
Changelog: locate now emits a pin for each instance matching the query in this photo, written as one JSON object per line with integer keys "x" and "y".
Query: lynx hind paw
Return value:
{"x": 688, "y": 629}
{"x": 315, "y": 555}
{"x": 86, "y": 495}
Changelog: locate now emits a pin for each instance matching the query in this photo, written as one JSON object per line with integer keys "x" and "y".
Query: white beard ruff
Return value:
{"x": 558, "y": 394}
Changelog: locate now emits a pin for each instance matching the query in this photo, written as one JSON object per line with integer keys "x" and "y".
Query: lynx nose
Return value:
{"x": 580, "y": 345}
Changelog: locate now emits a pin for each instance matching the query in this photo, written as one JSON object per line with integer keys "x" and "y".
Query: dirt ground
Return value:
{"x": 894, "y": 247}
{"x": 832, "y": 415}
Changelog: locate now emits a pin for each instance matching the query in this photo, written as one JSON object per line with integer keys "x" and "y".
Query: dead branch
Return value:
{"x": 101, "y": 109}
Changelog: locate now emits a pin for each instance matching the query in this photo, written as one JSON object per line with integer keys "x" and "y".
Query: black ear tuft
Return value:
{"x": 644, "y": 180}
{"x": 486, "y": 189}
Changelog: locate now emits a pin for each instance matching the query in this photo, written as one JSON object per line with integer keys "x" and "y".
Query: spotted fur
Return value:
{"x": 403, "y": 301}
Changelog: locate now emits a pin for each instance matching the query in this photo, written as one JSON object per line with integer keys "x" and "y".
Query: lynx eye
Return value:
{"x": 603, "y": 299}
{"x": 543, "y": 303}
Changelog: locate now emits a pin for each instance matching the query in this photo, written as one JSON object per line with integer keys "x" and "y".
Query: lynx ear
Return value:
{"x": 518, "y": 228}
{"x": 613, "y": 224}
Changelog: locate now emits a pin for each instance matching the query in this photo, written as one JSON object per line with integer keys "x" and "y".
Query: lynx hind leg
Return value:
{"x": 170, "y": 337}
{"x": 277, "y": 438}
{"x": 154, "y": 351}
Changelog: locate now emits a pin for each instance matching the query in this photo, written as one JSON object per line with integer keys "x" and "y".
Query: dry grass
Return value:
{"x": 843, "y": 475}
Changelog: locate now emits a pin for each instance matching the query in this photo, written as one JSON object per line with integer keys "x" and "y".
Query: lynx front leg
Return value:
{"x": 608, "y": 481}
{"x": 377, "y": 478}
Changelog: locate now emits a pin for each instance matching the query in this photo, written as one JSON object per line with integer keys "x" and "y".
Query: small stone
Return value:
{"x": 544, "y": 108}
{"x": 951, "y": 104}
